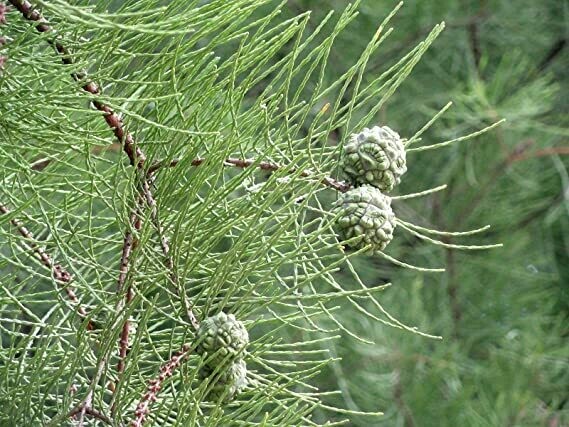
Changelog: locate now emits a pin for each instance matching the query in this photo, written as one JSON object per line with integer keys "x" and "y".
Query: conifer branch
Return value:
{"x": 165, "y": 246}
{"x": 92, "y": 412}
{"x": 136, "y": 158}
{"x": 263, "y": 165}
{"x": 60, "y": 274}
{"x": 129, "y": 244}
{"x": 155, "y": 384}
{"x": 135, "y": 155}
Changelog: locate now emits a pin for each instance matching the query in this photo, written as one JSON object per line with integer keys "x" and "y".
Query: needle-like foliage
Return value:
{"x": 221, "y": 201}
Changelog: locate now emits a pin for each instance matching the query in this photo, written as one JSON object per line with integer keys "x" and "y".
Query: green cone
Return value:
{"x": 221, "y": 339}
{"x": 228, "y": 383}
{"x": 365, "y": 211}
{"x": 375, "y": 156}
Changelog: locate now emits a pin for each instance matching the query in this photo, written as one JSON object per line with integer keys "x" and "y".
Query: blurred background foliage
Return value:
{"x": 503, "y": 314}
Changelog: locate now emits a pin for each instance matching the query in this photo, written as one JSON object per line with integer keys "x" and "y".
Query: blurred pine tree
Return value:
{"x": 504, "y": 314}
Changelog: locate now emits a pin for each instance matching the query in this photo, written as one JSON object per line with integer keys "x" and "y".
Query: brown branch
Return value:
{"x": 92, "y": 412}
{"x": 546, "y": 152}
{"x": 165, "y": 246}
{"x": 553, "y": 53}
{"x": 60, "y": 274}
{"x": 151, "y": 395}
{"x": 452, "y": 291}
{"x": 129, "y": 244}
{"x": 474, "y": 38}
{"x": 264, "y": 165}
{"x": 400, "y": 402}
{"x": 41, "y": 163}
{"x": 473, "y": 30}
{"x": 269, "y": 166}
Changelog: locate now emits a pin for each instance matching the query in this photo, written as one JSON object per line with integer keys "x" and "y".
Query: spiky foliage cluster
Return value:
{"x": 376, "y": 157}
{"x": 205, "y": 98}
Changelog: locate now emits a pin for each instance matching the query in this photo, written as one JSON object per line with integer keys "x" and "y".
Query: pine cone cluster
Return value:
{"x": 221, "y": 341}
{"x": 376, "y": 157}
{"x": 374, "y": 161}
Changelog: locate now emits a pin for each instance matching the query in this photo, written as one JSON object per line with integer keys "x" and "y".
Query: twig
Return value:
{"x": 41, "y": 163}
{"x": 129, "y": 244}
{"x": 400, "y": 402}
{"x": 473, "y": 29}
{"x": 552, "y": 151}
{"x": 452, "y": 290}
{"x": 94, "y": 413}
{"x": 165, "y": 246}
{"x": 553, "y": 53}
{"x": 474, "y": 37}
{"x": 155, "y": 384}
{"x": 60, "y": 274}
{"x": 264, "y": 165}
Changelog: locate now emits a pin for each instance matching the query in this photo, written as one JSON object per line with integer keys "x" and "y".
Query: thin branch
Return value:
{"x": 474, "y": 38}
{"x": 400, "y": 401}
{"x": 264, "y": 165}
{"x": 165, "y": 246}
{"x": 452, "y": 291}
{"x": 546, "y": 152}
{"x": 94, "y": 413}
{"x": 473, "y": 30}
{"x": 60, "y": 274}
{"x": 135, "y": 155}
{"x": 154, "y": 385}
{"x": 553, "y": 53}
{"x": 41, "y": 163}
{"x": 129, "y": 244}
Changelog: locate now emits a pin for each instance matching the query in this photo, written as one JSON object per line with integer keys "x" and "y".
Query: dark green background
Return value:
{"x": 504, "y": 360}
